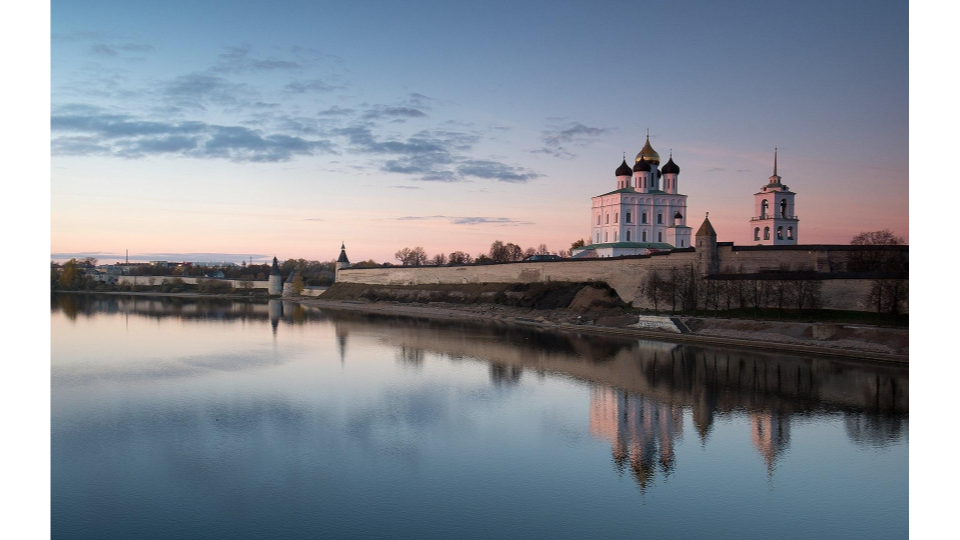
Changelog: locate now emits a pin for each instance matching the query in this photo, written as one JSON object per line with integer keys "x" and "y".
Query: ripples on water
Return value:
{"x": 218, "y": 419}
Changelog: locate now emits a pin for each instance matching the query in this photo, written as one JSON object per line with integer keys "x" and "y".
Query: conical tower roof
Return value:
{"x": 343, "y": 254}
{"x": 275, "y": 269}
{"x": 707, "y": 228}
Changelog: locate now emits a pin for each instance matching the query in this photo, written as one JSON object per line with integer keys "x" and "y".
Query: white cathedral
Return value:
{"x": 647, "y": 213}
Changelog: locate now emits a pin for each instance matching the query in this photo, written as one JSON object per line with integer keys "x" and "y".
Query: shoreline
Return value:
{"x": 536, "y": 319}
{"x": 554, "y": 320}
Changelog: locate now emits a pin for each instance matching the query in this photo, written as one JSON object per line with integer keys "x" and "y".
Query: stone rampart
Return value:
{"x": 627, "y": 275}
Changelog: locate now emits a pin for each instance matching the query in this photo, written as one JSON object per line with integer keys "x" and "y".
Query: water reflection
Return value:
{"x": 640, "y": 391}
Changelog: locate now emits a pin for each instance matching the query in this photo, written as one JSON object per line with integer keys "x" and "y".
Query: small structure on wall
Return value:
{"x": 775, "y": 222}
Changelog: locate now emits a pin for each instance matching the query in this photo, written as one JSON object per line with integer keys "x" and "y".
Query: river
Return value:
{"x": 186, "y": 418}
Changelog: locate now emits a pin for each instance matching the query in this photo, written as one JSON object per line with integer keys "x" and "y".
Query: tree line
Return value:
{"x": 499, "y": 252}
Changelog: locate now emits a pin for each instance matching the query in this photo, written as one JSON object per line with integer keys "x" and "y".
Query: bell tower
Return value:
{"x": 774, "y": 221}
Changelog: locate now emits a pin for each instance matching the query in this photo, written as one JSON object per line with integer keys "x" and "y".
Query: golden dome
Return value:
{"x": 649, "y": 153}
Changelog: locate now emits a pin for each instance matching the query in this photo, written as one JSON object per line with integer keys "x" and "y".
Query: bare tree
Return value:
{"x": 411, "y": 257}
{"x": 459, "y": 257}
{"x": 653, "y": 289}
{"x": 439, "y": 259}
{"x": 498, "y": 251}
{"x": 542, "y": 249}
{"x": 876, "y": 260}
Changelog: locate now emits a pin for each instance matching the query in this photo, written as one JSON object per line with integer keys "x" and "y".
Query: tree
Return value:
{"x": 439, "y": 259}
{"x": 365, "y": 264}
{"x": 654, "y": 289}
{"x": 514, "y": 252}
{"x": 542, "y": 249}
{"x": 70, "y": 276}
{"x": 889, "y": 296}
{"x": 297, "y": 285}
{"x": 459, "y": 257}
{"x": 498, "y": 251}
{"x": 876, "y": 260}
{"x": 530, "y": 252}
{"x": 578, "y": 244}
{"x": 411, "y": 257}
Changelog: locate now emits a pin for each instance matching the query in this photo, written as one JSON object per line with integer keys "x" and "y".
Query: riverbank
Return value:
{"x": 848, "y": 341}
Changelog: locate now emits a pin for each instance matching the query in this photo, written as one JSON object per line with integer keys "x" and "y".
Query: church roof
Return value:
{"x": 624, "y": 169}
{"x": 670, "y": 167}
{"x": 648, "y": 245}
{"x": 621, "y": 190}
{"x": 706, "y": 229}
{"x": 648, "y": 153}
{"x": 642, "y": 165}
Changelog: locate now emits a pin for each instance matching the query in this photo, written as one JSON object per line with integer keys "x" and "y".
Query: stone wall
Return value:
{"x": 627, "y": 274}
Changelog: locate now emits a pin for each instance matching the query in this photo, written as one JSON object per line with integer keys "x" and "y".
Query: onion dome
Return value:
{"x": 275, "y": 269}
{"x": 648, "y": 153}
{"x": 641, "y": 166}
{"x": 670, "y": 167}
{"x": 624, "y": 169}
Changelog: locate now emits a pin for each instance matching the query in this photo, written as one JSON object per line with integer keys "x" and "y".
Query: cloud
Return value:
{"x": 716, "y": 169}
{"x": 468, "y": 220}
{"x": 495, "y": 170}
{"x": 195, "y": 90}
{"x": 238, "y": 60}
{"x": 314, "y": 85}
{"x": 91, "y": 131}
{"x": 336, "y": 111}
{"x": 116, "y": 49}
{"x": 573, "y": 133}
{"x": 379, "y": 112}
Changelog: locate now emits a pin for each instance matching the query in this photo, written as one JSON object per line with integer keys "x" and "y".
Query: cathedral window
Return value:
{"x": 608, "y": 219}
{"x": 660, "y": 219}
{"x": 783, "y": 208}
{"x": 660, "y": 237}
{"x": 756, "y": 233}
{"x": 766, "y": 233}
{"x": 681, "y": 243}
{"x": 616, "y": 236}
{"x": 628, "y": 236}
{"x": 606, "y": 236}
{"x": 598, "y": 219}
{"x": 643, "y": 217}
{"x": 616, "y": 217}
{"x": 789, "y": 233}
{"x": 644, "y": 236}
{"x": 779, "y": 233}
{"x": 629, "y": 217}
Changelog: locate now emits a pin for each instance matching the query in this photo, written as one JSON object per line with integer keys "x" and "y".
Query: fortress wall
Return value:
{"x": 624, "y": 275}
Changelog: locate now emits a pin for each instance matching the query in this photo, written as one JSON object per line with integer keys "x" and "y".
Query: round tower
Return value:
{"x": 342, "y": 262}
{"x": 288, "y": 284}
{"x": 275, "y": 282}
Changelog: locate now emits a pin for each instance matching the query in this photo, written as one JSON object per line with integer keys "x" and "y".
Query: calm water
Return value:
{"x": 202, "y": 419}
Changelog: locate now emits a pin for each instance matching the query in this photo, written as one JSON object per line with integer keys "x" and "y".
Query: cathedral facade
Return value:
{"x": 646, "y": 212}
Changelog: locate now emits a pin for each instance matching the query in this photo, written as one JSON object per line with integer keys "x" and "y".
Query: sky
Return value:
{"x": 238, "y": 129}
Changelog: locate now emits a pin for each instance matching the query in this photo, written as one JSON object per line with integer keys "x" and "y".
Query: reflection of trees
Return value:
{"x": 873, "y": 429}
{"x": 501, "y": 374}
{"x": 410, "y": 356}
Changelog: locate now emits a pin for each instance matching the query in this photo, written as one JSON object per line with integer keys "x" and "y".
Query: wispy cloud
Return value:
{"x": 142, "y": 257}
{"x": 90, "y": 131}
{"x": 557, "y": 139}
{"x": 379, "y": 112}
{"x": 313, "y": 85}
{"x": 468, "y": 220}
{"x": 239, "y": 60}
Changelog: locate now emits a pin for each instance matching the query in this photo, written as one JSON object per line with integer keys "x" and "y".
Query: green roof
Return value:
{"x": 632, "y": 190}
{"x": 634, "y": 245}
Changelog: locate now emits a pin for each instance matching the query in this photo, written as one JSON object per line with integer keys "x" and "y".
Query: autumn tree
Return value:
{"x": 578, "y": 244}
{"x": 411, "y": 257}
